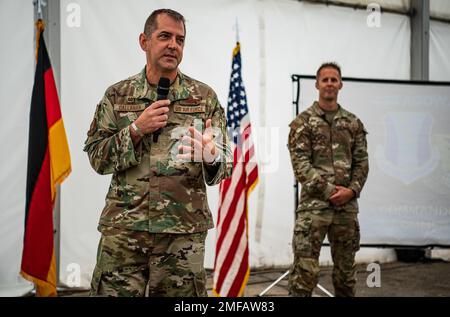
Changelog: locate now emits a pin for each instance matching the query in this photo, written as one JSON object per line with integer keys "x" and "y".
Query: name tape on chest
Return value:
{"x": 129, "y": 107}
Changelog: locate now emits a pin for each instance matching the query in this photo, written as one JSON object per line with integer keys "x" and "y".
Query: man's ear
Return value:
{"x": 341, "y": 85}
{"x": 143, "y": 41}
{"x": 317, "y": 85}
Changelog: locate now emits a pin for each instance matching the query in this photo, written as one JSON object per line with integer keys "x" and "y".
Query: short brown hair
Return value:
{"x": 151, "y": 24}
{"x": 331, "y": 65}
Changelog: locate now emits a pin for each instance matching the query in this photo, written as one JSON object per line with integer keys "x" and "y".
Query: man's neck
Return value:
{"x": 153, "y": 75}
{"x": 328, "y": 105}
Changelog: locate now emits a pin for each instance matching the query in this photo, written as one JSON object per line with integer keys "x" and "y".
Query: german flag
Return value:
{"x": 48, "y": 165}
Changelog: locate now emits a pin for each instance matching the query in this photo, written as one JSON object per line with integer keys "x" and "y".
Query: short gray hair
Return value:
{"x": 151, "y": 24}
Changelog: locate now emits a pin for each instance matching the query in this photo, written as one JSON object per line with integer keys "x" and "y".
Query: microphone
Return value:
{"x": 162, "y": 91}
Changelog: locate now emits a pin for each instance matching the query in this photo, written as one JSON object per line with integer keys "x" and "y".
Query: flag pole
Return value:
{"x": 236, "y": 28}
{"x": 54, "y": 47}
{"x": 39, "y": 4}
{"x": 40, "y": 25}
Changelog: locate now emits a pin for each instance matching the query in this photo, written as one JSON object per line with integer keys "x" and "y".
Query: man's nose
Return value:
{"x": 173, "y": 42}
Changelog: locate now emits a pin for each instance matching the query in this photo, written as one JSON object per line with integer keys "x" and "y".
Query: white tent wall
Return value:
{"x": 278, "y": 38}
{"x": 439, "y": 51}
{"x": 440, "y": 68}
{"x": 17, "y": 65}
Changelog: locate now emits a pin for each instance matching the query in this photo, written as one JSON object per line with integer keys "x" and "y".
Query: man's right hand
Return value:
{"x": 154, "y": 117}
{"x": 341, "y": 195}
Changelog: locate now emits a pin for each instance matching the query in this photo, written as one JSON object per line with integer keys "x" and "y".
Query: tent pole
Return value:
{"x": 51, "y": 16}
{"x": 420, "y": 39}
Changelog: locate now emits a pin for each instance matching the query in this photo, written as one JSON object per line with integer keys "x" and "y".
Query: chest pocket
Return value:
{"x": 346, "y": 131}
{"x": 184, "y": 114}
{"x": 320, "y": 135}
{"x": 127, "y": 113}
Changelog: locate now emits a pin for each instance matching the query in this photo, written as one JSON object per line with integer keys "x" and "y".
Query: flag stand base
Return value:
{"x": 282, "y": 277}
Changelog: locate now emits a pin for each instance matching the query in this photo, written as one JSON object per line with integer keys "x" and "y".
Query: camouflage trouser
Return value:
{"x": 309, "y": 232}
{"x": 138, "y": 263}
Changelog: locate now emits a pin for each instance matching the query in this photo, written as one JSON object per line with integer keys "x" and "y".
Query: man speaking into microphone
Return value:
{"x": 162, "y": 136}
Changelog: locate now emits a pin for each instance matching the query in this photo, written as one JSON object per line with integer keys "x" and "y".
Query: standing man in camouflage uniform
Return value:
{"x": 329, "y": 156}
{"x": 156, "y": 216}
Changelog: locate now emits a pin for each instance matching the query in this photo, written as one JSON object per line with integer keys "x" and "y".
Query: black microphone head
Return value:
{"x": 163, "y": 88}
{"x": 162, "y": 91}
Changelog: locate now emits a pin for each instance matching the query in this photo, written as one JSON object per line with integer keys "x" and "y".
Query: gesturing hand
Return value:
{"x": 198, "y": 147}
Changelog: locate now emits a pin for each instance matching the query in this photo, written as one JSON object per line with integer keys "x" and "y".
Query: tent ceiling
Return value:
{"x": 439, "y": 9}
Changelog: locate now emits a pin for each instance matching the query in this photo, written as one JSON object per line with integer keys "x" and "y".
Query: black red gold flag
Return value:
{"x": 48, "y": 165}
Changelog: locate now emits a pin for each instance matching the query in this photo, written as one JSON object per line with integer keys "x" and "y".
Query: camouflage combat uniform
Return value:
{"x": 324, "y": 156}
{"x": 156, "y": 215}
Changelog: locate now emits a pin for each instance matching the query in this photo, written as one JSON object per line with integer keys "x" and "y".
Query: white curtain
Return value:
{"x": 439, "y": 51}
{"x": 17, "y": 65}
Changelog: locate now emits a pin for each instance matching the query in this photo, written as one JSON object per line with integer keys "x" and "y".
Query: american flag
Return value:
{"x": 231, "y": 265}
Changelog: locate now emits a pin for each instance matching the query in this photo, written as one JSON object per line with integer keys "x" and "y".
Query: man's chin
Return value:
{"x": 329, "y": 98}
{"x": 169, "y": 67}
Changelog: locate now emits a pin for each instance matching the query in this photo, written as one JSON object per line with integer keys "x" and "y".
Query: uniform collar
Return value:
{"x": 177, "y": 91}
{"x": 319, "y": 111}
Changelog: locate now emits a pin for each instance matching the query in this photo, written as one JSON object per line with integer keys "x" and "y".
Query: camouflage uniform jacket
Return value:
{"x": 150, "y": 189}
{"x": 324, "y": 156}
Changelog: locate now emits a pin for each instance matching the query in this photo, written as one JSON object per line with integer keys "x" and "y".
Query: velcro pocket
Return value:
{"x": 200, "y": 284}
{"x": 302, "y": 236}
{"x": 95, "y": 282}
{"x": 127, "y": 113}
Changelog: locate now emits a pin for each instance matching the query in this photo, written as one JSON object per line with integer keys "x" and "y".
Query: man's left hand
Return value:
{"x": 342, "y": 196}
{"x": 201, "y": 146}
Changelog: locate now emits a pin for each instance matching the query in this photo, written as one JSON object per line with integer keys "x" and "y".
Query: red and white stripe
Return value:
{"x": 231, "y": 267}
